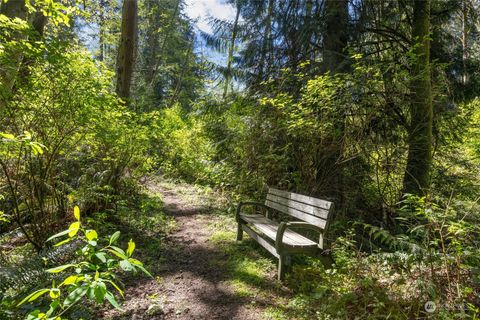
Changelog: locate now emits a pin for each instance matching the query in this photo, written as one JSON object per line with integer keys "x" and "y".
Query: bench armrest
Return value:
{"x": 295, "y": 224}
{"x": 247, "y": 203}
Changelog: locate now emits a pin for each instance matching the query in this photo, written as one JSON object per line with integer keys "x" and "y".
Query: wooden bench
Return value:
{"x": 277, "y": 236}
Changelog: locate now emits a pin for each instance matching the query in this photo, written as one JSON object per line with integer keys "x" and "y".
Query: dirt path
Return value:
{"x": 188, "y": 284}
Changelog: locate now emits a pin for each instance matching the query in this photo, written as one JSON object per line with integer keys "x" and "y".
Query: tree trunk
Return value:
{"x": 8, "y": 74}
{"x": 336, "y": 36}
{"x": 464, "y": 42}
{"x": 228, "y": 75}
{"x": 265, "y": 62}
{"x": 417, "y": 174}
{"x": 335, "y": 41}
{"x": 101, "y": 30}
{"x": 39, "y": 22}
{"x": 126, "y": 49}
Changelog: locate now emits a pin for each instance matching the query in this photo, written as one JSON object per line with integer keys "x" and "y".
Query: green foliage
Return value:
{"x": 92, "y": 142}
{"x": 359, "y": 285}
{"x": 65, "y": 138}
{"x": 181, "y": 148}
{"x": 440, "y": 245}
{"x": 93, "y": 275}
{"x": 169, "y": 70}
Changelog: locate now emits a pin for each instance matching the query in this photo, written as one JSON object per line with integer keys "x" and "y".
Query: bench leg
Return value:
{"x": 283, "y": 263}
{"x": 239, "y": 232}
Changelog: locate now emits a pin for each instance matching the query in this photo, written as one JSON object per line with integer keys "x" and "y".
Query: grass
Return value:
{"x": 251, "y": 270}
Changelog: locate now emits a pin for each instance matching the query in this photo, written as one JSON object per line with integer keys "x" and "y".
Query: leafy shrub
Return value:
{"x": 91, "y": 145}
{"x": 94, "y": 275}
{"x": 437, "y": 254}
{"x": 181, "y": 148}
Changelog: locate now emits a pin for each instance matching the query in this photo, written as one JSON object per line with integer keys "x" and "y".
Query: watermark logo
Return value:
{"x": 430, "y": 306}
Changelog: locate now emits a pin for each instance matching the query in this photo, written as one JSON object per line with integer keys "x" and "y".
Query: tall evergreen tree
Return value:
{"x": 231, "y": 48}
{"x": 417, "y": 173}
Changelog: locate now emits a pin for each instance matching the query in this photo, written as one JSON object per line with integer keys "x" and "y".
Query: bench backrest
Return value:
{"x": 312, "y": 210}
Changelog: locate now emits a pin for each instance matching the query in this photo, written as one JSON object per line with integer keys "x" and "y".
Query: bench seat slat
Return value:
{"x": 269, "y": 229}
{"x": 321, "y": 223}
{"x": 270, "y": 248}
{"x": 309, "y": 209}
{"x": 302, "y": 198}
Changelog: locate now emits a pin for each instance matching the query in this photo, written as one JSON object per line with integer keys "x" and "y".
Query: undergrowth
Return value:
{"x": 359, "y": 286}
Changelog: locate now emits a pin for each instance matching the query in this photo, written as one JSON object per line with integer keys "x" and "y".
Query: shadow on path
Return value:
{"x": 189, "y": 283}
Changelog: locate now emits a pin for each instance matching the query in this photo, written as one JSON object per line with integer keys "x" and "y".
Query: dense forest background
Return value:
{"x": 371, "y": 104}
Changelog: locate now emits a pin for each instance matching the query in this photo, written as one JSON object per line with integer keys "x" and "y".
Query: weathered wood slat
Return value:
{"x": 264, "y": 243}
{"x": 321, "y": 223}
{"x": 302, "y": 198}
{"x": 269, "y": 228}
{"x": 316, "y": 211}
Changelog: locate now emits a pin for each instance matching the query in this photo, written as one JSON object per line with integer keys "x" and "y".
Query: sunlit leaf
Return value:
{"x": 131, "y": 248}
{"x": 58, "y": 235}
{"x": 60, "y": 268}
{"x": 91, "y": 235}
{"x": 114, "y": 237}
{"x": 76, "y": 213}
{"x": 54, "y": 293}
{"x": 33, "y": 296}
{"x": 70, "y": 280}
{"x": 73, "y": 229}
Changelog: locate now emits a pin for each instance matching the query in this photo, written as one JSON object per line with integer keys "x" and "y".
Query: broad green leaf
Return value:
{"x": 121, "y": 256}
{"x": 119, "y": 250}
{"x": 36, "y": 148}
{"x": 114, "y": 237}
{"x": 135, "y": 262}
{"x": 60, "y": 268}
{"x": 139, "y": 265}
{"x": 53, "y": 306}
{"x": 76, "y": 213}
{"x": 115, "y": 286}
{"x": 91, "y": 235}
{"x": 63, "y": 242}
{"x": 91, "y": 293}
{"x": 70, "y": 280}
{"x": 7, "y": 136}
{"x": 58, "y": 235}
{"x": 144, "y": 270}
{"x": 75, "y": 295}
{"x": 33, "y": 296}
{"x": 100, "y": 290}
{"x": 101, "y": 256}
{"x": 131, "y": 248}
{"x": 111, "y": 299}
{"x": 54, "y": 293}
{"x": 73, "y": 229}
{"x": 126, "y": 265}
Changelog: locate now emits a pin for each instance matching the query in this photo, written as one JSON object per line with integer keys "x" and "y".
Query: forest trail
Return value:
{"x": 189, "y": 284}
